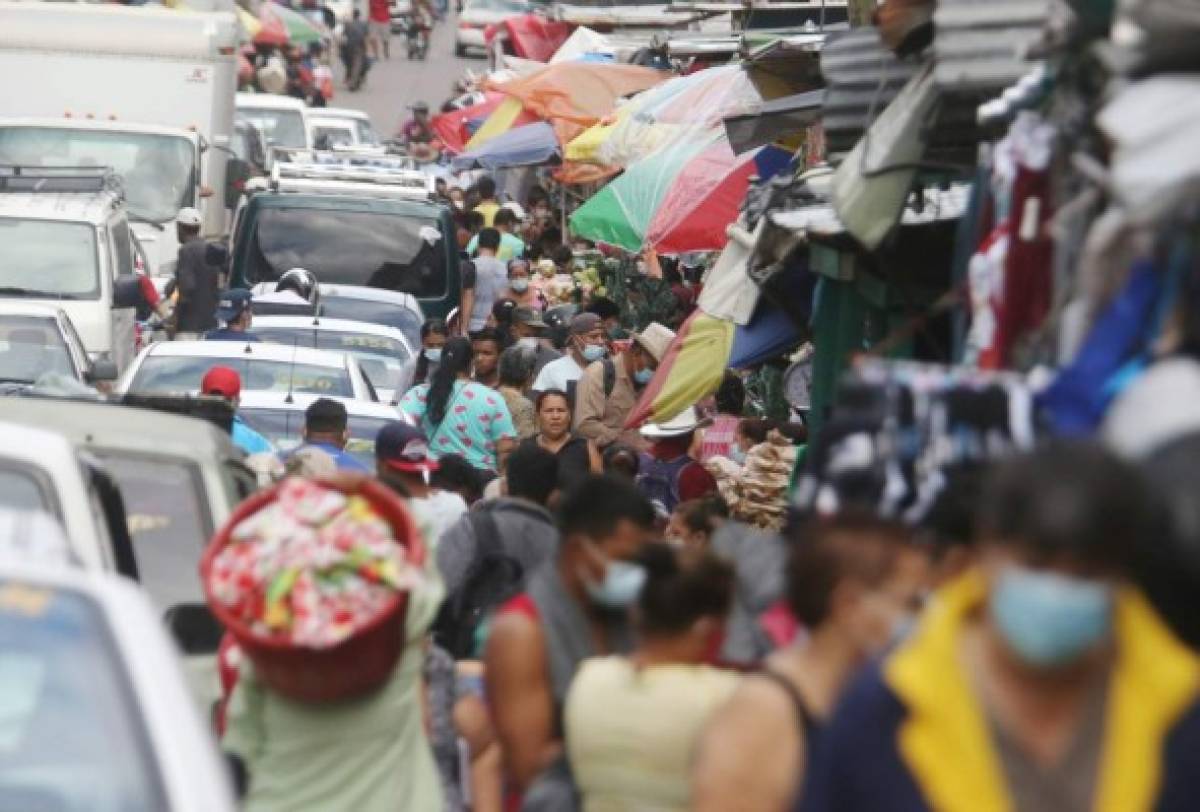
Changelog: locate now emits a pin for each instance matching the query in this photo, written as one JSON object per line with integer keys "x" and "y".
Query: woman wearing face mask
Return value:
{"x": 520, "y": 289}
{"x": 577, "y": 457}
{"x": 853, "y": 582}
{"x": 633, "y": 721}
{"x": 460, "y": 416}
{"x": 420, "y": 369}
{"x": 1041, "y": 679}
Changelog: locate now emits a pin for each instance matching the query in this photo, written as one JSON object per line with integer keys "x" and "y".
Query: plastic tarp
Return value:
{"x": 729, "y": 292}
{"x": 583, "y": 41}
{"x": 533, "y": 36}
{"x": 530, "y": 145}
{"x": 769, "y": 333}
{"x": 575, "y": 95}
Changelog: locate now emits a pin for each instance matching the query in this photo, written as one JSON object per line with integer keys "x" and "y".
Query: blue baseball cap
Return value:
{"x": 233, "y": 303}
{"x": 403, "y": 447}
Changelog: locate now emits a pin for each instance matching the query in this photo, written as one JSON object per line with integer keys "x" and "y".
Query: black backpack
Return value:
{"x": 492, "y": 578}
{"x": 610, "y": 381}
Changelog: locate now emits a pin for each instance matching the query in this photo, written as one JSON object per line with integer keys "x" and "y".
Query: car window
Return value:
{"x": 70, "y": 733}
{"x": 280, "y": 128}
{"x": 283, "y": 427}
{"x": 21, "y": 489}
{"x": 124, "y": 249}
{"x": 366, "y": 133}
{"x": 47, "y": 258}
{"x": 375, "y": 249}
{"x": 380, "y": 357}
{"x": 388, "y": 314}
{"x": 32, "y": 346}
{"x": 167, "y": 373}
{"x": 169, "y": 521}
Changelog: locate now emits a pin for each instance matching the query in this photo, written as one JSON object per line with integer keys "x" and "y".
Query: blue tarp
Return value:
{"x": 769, "y": 333}
{"x": 528, "y": 145}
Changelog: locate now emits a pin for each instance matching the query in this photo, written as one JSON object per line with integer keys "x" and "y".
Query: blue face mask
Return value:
{"x": 621, "y": 585}
{"x": 1049, "y": 619}
{"x": 433, "y": 355}
{"x": 593, "y": 352}
{"x": 737, "y": 455}
{"x": 643, "y": 376}
{"x": 520, "y": 284}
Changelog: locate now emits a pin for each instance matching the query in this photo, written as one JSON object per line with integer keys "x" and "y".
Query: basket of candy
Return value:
{"x": 311, "y": 578}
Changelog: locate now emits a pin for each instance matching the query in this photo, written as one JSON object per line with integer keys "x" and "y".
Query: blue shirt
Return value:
{"x": 248, "y": 439}
{"x": 345, "y": 462}
{"x": 225, "y": 334}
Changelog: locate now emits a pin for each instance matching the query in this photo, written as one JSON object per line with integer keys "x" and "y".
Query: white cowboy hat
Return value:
{"x": 683, "y": 423}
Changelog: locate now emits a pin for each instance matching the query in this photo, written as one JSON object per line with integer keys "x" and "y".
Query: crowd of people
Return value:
{"x": 611, "y": 625}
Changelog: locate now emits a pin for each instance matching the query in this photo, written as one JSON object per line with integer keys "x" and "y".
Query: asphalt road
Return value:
{"x": 395, "y": 83}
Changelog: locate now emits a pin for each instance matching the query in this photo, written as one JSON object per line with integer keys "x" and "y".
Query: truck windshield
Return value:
{"x": 158, "y": 171}
{"x": 280, "y": 128}
{"x": 48, "y": 259}
{"x": 376, "y": 249}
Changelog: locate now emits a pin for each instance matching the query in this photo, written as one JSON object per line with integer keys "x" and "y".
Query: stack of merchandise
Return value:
{"x": 757, "y": 493}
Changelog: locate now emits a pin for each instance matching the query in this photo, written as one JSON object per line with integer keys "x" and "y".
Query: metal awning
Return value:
{"x": 773, "y": 120}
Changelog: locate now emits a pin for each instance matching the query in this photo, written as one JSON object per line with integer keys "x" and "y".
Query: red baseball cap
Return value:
{"x": 222, "y": 381}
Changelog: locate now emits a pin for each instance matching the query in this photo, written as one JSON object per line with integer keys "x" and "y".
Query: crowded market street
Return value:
{"x": 623, "y": 406}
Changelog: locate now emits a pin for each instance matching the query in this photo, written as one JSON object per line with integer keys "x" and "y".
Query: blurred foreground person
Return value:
{"x": 633, "y": 722}
{"x": 402, "y": 462}
{"x": 574, "y": 607}
{"x": 327, "y": 427}
{"x": 855, "y": 583}
{"x": 225, "y": 382}
{"x": 1039, "y": 680}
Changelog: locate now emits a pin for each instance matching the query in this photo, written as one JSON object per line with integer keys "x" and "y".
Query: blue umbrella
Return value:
{"x": 769, "y": 333}
{"x": 528, "y": 145}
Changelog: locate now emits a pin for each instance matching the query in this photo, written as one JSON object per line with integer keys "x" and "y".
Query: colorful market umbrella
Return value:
{"x": 456, "y": 127}
{"x": 678, "y": 199}
{"x": 508, "y": 114}
{"x": 248, "y": 21}
{"x": 532, "y": 36}
{"x": 272, "y": 30}
{"x": 530, "y": 145}
{"x": 301, "y": 30}
{"x": 703, "y": 349}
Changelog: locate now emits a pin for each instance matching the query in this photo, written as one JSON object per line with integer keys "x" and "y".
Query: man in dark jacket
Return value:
{"x": 197, "y": 280}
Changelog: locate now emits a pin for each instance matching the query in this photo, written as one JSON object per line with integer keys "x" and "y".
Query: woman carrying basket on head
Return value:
{"x": 460, "y": 416}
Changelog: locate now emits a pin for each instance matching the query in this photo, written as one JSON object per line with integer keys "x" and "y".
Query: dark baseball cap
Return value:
{"x": 232, "y": 304}
{"x": 404, "y": 448}
{"x": 528, "y": 316}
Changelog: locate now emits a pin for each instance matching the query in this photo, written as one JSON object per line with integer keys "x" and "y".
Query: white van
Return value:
{"x": 65, "y": 242}
{"x": 282, "y": 120}
{"x": 342, "y": 126}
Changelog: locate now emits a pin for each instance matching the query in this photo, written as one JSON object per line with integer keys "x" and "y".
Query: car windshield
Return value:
{"x": 175, "y": 373}
{"x": 283, "y": 427}
{"x": 332, "y": 136}
{"x": 48, "y": 259}
{"x": 169, "y": 522}
{"x": 280, "y": 128}
{"x": 158, "y": 171}
{"x": 32, "y": 346}
{"x": 388, "y": 314}
{"x": 380, "y": 357}
{"x": 375, "y": 249}
{"x": 70, "y": 735}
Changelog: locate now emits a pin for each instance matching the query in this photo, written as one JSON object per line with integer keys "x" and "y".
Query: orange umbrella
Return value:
{"x": 575, "y": 95}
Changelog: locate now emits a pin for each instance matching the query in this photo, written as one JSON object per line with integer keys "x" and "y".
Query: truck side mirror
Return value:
{"x": 194, "y": 628}
{"x": 127, "y": 292}
{"x": 103, "y": 369}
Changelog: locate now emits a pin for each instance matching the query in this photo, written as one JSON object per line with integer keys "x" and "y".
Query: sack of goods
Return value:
{"x": 311, "y": 577}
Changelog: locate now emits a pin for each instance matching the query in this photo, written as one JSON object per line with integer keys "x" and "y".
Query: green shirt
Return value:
{"x": 367, "y": 755}
{"x": 511, "y": 246}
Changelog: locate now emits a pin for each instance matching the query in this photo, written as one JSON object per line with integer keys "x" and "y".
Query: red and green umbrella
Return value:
{"x": 678, "y": 199}
{"x": 281, "y": 26}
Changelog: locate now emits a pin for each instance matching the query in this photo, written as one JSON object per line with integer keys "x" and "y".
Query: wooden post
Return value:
{"x": 860, "y": 12}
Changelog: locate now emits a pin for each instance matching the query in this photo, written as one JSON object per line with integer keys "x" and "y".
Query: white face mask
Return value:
{"x": 528, "y": 343}
{"x": 520, "y": 285}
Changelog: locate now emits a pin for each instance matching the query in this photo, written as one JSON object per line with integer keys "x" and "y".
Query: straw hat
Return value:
{"x": 655, "y": 339}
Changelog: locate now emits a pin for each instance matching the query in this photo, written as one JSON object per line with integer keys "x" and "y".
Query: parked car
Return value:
{"x": 477, "y": 15}
{"x": 381, "y": 351}
{"x": 355, "y": 123}
{"x": 281, "y": 420}
{"x": 179, "y": 366}
{"x": 387, "y": 308}
{"x": 281, "y": 119}
{"x": 36, "y": 340}
{"x": 96, "y": 712}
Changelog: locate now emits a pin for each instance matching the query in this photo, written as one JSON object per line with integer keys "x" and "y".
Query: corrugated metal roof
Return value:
{"x": 862, "y": 78}
{"x": 981, "y": 45}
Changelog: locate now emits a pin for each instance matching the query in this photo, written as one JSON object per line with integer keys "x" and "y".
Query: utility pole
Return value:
{"x": 860, "y": 12}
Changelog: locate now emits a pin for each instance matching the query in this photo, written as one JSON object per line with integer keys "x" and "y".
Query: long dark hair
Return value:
{"x": 430, "y": 327}
{"x": 456, "y": 360}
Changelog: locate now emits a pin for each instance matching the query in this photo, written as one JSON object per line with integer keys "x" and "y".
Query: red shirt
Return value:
{"x": 379, "y": 12}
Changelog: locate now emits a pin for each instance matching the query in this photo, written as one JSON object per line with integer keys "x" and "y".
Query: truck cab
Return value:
{"x": 159, "y": 169}
{"x": 352, "y": 222}
{"x": 65, "y": 242}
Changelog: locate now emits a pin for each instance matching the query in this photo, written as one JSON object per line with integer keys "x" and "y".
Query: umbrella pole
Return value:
{"x": 562, "y": 199}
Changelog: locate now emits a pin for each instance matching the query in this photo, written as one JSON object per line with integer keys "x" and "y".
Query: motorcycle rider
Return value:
{"x": 418, "y": 135}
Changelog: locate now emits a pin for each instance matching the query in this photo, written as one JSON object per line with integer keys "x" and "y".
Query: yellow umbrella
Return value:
{"x": 586, "y": 147}
{"x": 500, "y": 121}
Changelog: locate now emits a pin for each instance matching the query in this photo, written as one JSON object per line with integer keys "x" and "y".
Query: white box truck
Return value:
{"x": 146, "y": 91}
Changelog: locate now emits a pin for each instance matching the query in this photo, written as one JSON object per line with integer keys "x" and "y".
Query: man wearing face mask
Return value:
{"x": 574, "y": 607}
{"x": 529, "y": 331}
{"x": 1041, "y": 679}
{"x": 608, "y": 391}
{"x": 585, "y": 346}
